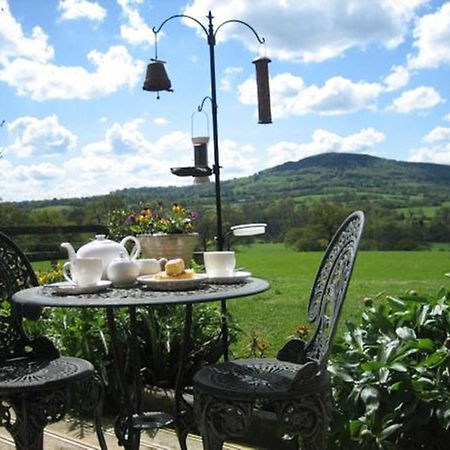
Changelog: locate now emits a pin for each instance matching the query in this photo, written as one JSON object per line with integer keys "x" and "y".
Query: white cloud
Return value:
{"x": 28, "y": 181}
{"x": 417, "y": 99}
{"x": 121, "y": 139}
{"x": 438, "y": 155}
{"x": 437, "y": 134}
{"x": 314, "y": 30}
{"x": 432, "y": 39}
{"x": 325, "y": 141}
{"x": 290, "y": 96}
{"x": 42, "y": 81}
{"x": 397, "y": 79}
{"x": 135, "y": 31}
{"x": 228, "y": 76}
{"x": 81, "y": 9}
{"x": 123, "y": 158}
{"x": 39, "y": 137}
{"x": 160, "y": 121}
{"x": 237, "y": 160}
{"x": 447, "y": 117}
{"x": 39, "y": 172}
{"x": 14, "y": 43}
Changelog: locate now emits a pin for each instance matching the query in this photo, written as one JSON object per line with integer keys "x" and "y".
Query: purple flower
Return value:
{"x": 132, "y": 218}
{"x": 194, "y": 215}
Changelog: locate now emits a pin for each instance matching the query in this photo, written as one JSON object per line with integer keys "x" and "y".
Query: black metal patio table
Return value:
{"x": 131, "y": 418}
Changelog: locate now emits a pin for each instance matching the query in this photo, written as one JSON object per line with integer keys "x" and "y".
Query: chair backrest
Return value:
{"x": 330, "y": 286}
{"x": 16, "y": 273}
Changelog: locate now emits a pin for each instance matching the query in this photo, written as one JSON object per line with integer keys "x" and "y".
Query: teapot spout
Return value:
{"x": 70, "y": 250}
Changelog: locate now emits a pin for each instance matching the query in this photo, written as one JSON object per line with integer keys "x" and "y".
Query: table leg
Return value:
{"x": 122, "y": 424}
{"x": 223, "y": 311}
{"x": 136, "y": 380}
{"x": 131, "y": 419}
{"x": 184, "y": 415}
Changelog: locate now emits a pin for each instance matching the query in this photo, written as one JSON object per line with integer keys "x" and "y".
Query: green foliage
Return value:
{"x": 322, "y": 221}
{"x": 391, "y": 375}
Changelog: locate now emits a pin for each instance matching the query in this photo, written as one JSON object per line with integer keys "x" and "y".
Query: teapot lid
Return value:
{"x": 101, "y": 239}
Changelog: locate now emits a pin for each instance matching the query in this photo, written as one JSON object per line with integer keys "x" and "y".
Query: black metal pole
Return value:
{"x": 216, "y": 168}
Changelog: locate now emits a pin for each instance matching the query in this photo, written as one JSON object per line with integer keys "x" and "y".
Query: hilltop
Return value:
{"x": 343, "y": 177}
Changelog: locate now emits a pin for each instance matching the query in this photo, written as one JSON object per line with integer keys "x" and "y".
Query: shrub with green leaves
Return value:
{"x": 391, "y": 376}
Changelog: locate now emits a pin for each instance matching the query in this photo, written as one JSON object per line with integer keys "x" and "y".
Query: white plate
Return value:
{"x": 172, "y": 285}
{"x": 67, "y": 288}
{"x": 237, "y": 277}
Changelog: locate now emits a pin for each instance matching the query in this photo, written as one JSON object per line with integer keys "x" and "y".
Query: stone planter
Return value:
{"x": 168, "y": 246}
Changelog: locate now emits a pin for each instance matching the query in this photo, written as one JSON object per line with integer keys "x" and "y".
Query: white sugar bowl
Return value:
{"x": 122, "y": 271}
{"x": 148, "y": 266}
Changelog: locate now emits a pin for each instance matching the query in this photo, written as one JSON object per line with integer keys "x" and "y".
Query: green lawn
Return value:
{"x": 275, "y": 314}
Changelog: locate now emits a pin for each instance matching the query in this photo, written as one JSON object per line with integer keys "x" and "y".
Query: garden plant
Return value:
{"x": 391, "y": 375}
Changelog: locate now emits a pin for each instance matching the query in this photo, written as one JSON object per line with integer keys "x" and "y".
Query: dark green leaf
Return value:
{"x": 405, "y": 333}
{"x": 372, "y": 365}
{"x": 398, "y": 367}
{"x": 443, "y": 414}
{"x": 395, "y": 302}
{"x": 369, "y": 395}
{"x": 435, "y": 359}
{"x": 389, "y": 430}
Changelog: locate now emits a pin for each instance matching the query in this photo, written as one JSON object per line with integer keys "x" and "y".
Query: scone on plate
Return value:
{"x": 175, "y": 270}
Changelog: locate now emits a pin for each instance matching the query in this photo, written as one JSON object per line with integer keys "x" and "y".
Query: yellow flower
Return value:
{"x": 142, "y": 220}
{"x": 177, "y": 208}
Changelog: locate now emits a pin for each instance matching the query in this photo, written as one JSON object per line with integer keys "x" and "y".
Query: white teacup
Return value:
{"x": 148, "y": 266}
{"x": 83, "y": 271}
{"x": 219, "y": 264}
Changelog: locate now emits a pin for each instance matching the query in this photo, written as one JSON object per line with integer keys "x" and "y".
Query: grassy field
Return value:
{"x": 275, "y": 314}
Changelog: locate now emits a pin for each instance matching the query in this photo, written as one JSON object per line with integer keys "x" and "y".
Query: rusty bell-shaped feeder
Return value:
{"x": 262, "y": 85}
{"x": 156, "y": 78}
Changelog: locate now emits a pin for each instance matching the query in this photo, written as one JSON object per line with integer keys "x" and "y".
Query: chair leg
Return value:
{"x": 308, "y": 417}
{"x": 210, "y": 441}
{"x": 182, "y": 437}
{"x": 219, "y": 419}
{"x": 33, "y": 413}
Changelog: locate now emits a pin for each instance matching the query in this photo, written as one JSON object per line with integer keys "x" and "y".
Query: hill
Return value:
{"x": 351, "y": 178}
{"x": 343, "y": 177}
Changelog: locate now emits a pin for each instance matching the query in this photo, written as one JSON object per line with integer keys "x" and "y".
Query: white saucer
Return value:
{"x": 237, "y": 277}
{"x": 67, "y": 288}
{"x": 172, "y": 285}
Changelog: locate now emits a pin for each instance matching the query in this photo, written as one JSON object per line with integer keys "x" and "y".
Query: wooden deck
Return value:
{"x": 66, "y": 435}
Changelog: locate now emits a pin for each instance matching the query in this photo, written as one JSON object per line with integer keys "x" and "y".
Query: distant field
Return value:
{"x": 276, "y": 313}
{"x": 428, "y": 211}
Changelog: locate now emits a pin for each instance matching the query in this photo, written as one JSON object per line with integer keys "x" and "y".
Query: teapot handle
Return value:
{"x": 136, "y": 250}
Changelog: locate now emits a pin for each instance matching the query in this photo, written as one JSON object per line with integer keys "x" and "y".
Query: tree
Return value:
{"x": 11, "y": 215}
{"x": 97, "y": 211}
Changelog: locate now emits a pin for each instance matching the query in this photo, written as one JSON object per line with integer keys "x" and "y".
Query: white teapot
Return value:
{"x": 105, "y": 249}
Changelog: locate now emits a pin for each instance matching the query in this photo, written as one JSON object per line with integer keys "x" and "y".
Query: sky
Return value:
{"x": 360, "y": 76}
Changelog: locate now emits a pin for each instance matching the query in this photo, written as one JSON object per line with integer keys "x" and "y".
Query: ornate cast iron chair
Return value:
{"x": 295, "y": 385}
{"x": 33, "y": 377}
